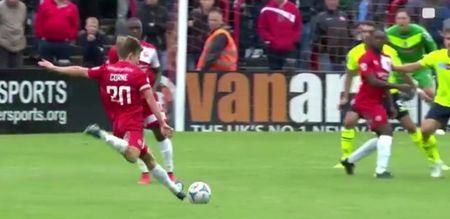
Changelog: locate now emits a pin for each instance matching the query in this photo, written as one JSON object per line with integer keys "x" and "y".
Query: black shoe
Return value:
{"x": 384, "y": 175}
{"x": 180, "y": 195}
{"x": 93, "y": 130}
{"x": 349, "y": 167}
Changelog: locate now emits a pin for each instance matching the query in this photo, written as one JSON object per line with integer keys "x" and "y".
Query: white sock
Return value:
{"x": 167, "y": 153}
{"x": 363, "y": 151}
{"x": 384, "y": 152}
{"x": 161, "y": 175}
{"x": 118, "y": 144}
{"x": 142, "y": 166}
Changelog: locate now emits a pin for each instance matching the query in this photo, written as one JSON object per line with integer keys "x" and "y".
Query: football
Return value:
{"x": 199, "y": 193}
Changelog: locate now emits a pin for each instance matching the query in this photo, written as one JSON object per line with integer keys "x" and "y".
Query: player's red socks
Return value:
{"x": 172, "y": 176}
{"x": 145, "y": 179}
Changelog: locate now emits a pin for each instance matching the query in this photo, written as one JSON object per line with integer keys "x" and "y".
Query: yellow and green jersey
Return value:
{"x": 358, "y": 51}
{"x": 411, "y": 45}
{"x": 440, "y": 61}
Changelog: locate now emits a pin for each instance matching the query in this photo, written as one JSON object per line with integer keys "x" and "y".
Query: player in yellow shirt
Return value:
{"x": 402, "y": 115}
{"x": 439, "y": 114}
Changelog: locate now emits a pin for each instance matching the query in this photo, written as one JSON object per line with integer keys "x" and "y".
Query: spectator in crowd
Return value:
{"x": 392, "y": 8}
{"x": 92, "y": 41}
{"x": 376, "y": 11}
{"x": 308, "y": 9}
{"x": 331, "y": 37}
{"x": 154, "y": 19}
{"x": 56, "y": 26}
{"x": 219, "y": 52}
{"x": 198, "y": 31}
{"x": 442, "y": 14}
{"x": 32, "y": 6}
{"x": 124, "y": 8}
{"x": 279, "y": 26}
{"x": 13, "y": 14}
{"x": 88, "y": 8}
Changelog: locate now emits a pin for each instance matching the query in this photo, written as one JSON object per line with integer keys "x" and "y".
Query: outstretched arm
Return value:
{"x": 372, "y": 80}
{"x": 408, "y": 68}
{"x": 74, "y": 71}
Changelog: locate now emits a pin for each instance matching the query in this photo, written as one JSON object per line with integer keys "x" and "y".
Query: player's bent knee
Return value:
{"x": 429, "y": 127}
{"x": 132, "y": 154}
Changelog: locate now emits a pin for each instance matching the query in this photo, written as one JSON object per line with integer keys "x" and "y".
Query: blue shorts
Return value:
{"x": 439, "y": 113}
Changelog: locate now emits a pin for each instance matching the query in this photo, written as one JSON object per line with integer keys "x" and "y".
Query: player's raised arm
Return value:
{"x": 75, "y": 71}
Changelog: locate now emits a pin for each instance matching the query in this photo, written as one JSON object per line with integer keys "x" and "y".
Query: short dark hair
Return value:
{"x": 128, "y": 45}
{"x": 403, "y": 10}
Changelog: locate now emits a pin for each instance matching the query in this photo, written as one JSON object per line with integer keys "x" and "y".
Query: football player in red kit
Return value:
{"x": 149, "y": 63}
{"x": 374, "y": 69}
{"x": 123, "y": 86}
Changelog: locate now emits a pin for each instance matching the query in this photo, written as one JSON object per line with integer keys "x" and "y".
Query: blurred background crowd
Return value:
{"x": 82, "y": 31}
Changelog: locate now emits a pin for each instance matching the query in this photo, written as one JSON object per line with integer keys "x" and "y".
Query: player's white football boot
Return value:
{"x": 436, "y": 170}
{"x": 93, "y": 130}
{"x": 440, "y": 132}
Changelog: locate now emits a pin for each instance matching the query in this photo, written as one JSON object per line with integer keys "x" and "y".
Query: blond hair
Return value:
{"x": 92, "y": 20}
{"x": 127, "y": 45}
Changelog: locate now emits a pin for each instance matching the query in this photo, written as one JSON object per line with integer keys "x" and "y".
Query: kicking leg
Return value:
{"x": 363, "y": 151}
{"x": 161, "y": 175}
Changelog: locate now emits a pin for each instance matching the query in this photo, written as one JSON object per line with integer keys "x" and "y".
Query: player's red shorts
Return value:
{"x": 133, "y": 137}
{"x": 374, "y": 114}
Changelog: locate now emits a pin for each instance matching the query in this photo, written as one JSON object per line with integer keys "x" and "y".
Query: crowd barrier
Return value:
{"x": 35, "y": 101}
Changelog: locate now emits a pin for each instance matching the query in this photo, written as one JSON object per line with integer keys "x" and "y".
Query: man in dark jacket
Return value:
{"x": 331, "y": 37}
{"x": 92, "y": 41}
{"x": 154, "y": 19}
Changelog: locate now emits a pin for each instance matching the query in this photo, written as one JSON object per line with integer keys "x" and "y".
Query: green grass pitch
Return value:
{"x": 252, "y": 175}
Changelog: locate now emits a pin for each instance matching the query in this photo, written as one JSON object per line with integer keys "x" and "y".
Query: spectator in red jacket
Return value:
{"x": 56, "y": 26}
{"x": 279, "y": 26}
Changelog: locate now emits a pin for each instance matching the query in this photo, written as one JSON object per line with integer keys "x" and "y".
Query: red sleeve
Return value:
{"x": 97, "y": 72}
{"x": 142, "y": 81}
{"x": 262, "y": 28}
{"x": 112, "y": 55}
{"x": 38, "y": 21}
{"x": 75, "y": 23}
{"x": 365, "y": 66}
{"x": 133, "y": 7}
{"x": 392, "y": 10}
{"x": 224, "y": 5}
